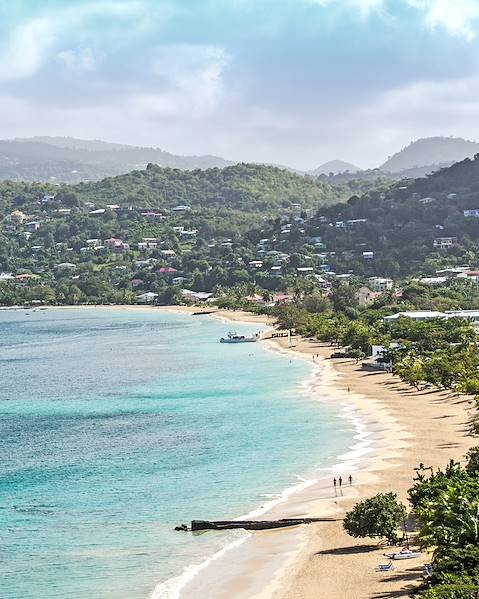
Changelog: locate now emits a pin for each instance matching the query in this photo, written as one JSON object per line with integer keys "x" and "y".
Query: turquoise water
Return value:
{"x": 117, "y": 425}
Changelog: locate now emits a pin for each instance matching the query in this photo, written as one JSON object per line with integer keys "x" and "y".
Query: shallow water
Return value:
{"x": 117, "y": 425}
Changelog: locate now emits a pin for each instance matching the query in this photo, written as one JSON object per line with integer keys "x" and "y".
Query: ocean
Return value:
{"x": 118, "y": 425}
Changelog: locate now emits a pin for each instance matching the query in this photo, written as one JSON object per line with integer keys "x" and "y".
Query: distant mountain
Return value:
{"x": 335, "y": 167}
{"x": 69, "y": 160}
{"x": 94, "y": 145}
{"x": 430, "y": 152}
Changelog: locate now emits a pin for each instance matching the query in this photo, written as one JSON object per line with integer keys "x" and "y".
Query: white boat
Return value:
{"x": 403, "y": 555}
{"x": 233, "y": 337}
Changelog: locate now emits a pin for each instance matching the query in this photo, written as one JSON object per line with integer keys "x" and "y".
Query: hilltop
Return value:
{"x": 335, "y": 167}
{"x": 246, "y": 187}
{"x": 70, "y": 160}
{"x": 431, "y": 152}
{"x": 248, "y": 226}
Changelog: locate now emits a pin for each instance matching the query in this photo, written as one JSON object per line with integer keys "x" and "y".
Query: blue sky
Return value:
{"x": 295, "y": 82}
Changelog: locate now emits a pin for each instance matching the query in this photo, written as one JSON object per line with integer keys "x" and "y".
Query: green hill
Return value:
{"x": 400, "y": 223}
{"x": 432, "y": 152}
{"x": 69, "y": 160}
{"x": 245, "y": 187}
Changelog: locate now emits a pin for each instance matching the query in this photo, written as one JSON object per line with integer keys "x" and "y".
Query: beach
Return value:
{"x": 404, "y": 428}
{"x": 396, "y": 428}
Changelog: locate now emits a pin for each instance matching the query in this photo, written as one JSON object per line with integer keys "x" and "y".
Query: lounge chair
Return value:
{"x": 385, "y": 567}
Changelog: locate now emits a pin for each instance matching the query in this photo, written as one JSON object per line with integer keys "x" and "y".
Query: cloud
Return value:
{"x": 26, "y": 49}
{"x": 32, "y": 42}
{"x": 82, "y": 59}
{"x": 190, "y": 77}
{"x": 456, "y": 17}
{"x": 365, "y": 7}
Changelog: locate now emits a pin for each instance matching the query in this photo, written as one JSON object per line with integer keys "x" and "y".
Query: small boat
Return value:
{"x": 403, "y": 555}
{"x": 233, "y": 337}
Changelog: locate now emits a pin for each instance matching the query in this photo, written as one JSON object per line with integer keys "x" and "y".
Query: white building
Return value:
{"x": 381, "y": 284}
{"x": 465, "y": 314}
{"x": 146, "y": 298}
{"x": 416, "y": 315}
{"x": 444, "y": 243}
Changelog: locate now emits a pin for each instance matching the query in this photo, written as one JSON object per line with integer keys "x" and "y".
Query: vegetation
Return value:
{"x": 73, "y": 160}
{"x": 447, "y": 506}
{"x": 377, "y": 516}
{"x": 253, "y": 228}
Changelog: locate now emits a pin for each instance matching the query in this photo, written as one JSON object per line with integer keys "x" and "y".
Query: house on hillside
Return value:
{"x": 474, "y": 213}
{"x": 444, "y": 243}
{"x": 33, "y": 225}
{"x": 188, "y": 234}
{"x": 148, "y": 243}
{"x": 257, "y": 299}
{"x": 17, "y": 216}
{"x": 167, "y": 271}
{"x": 305, "y": 270}
{"x": 282, "y": 298}
{"x": 381, "y": 284}
{"x": 366, "y": 296}
{"x": 118, "y": 245}
{"x": 136, "y": 282}
{"x": 433, "y": 281}
{"x": 195, "y": 296}
{"x": 151, "y": 214}
{"x": 256, "y": 263}
{"x": 146, "y": 298}
{"x": 472, "y": 315}
{"x": 414, "y": 315}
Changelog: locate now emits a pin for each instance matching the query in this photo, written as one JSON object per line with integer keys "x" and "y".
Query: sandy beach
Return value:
{"x": 409, "y": 427}
{"x": 397, "y": 428}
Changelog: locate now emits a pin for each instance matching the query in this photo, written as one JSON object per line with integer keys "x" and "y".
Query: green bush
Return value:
{"x": 377, "y": 516}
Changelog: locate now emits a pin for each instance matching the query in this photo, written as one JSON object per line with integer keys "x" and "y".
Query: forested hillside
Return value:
{"x": 399, "y": 224}
{"x": 430, "y": 151}
{"x": 70, "y": 160}
{"x": 268, "y": 229}
{"x": 245, "y": 187}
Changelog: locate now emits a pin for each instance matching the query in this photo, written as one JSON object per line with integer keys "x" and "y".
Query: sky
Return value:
{"x": 294, "y": 82}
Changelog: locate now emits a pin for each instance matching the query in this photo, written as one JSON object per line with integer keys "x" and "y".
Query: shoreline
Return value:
{"x": 404, "y": 427}
{"x": 261, "y": 565}
{"x": 397, "y": 428}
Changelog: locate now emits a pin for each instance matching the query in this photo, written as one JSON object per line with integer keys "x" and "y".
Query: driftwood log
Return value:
{"x": 253, "y": 524}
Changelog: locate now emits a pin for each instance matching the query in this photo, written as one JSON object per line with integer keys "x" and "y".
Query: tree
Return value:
{"x": 451, "y": 520}
{"x": 473, "y": 461}
{"x": 377, "y": 516}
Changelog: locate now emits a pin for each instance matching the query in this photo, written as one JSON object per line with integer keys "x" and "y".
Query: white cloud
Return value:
{"x": 365, "y": 7}
{"x": 456, "y": 17}
{"x": 81, "y": 59}
{"x": 26, "y": 49}
{"x": 31, "y": 43}
{"x": 190, "y": 76}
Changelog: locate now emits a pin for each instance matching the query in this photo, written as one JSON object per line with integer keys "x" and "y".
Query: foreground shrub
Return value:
{"x": 376, "y": 517}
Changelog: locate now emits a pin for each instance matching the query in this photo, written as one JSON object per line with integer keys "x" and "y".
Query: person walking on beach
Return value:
{"x": 350, "y": 480}
{"x": 340, "y": 481}
{"x": 334, "y": 482}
